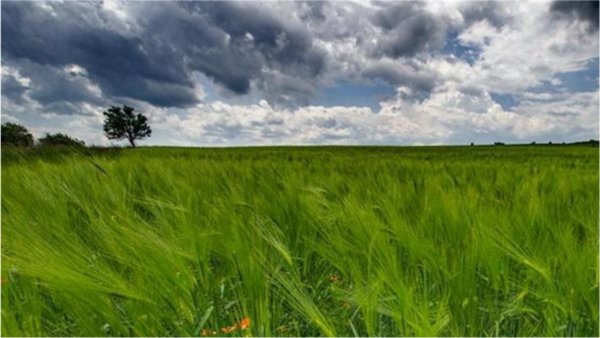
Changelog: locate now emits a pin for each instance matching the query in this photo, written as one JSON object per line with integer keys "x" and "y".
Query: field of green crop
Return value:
{"x": 337, "y": 241}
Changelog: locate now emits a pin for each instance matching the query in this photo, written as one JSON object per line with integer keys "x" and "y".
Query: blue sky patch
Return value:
{"x": 507, "y": 101}
{"x": 352, "y": 94}
{"x": 452, "y": 46}
{"x": 584, "y": 80}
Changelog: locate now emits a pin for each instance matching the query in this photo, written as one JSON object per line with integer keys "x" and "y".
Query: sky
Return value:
{"x": 295, "y": 73}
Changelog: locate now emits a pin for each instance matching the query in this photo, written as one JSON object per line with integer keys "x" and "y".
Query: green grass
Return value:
{"x": 377, "y": 241}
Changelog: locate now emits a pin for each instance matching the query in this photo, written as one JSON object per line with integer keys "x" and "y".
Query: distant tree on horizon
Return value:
{"x": 16, "y": 135}
{"x": 60, "y": 139}
{"x": 122, "y": 123}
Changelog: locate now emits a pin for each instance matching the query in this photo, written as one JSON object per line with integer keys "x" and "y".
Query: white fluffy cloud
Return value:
{"x": 528, "y": 51}
{"x": 447, "y": 116}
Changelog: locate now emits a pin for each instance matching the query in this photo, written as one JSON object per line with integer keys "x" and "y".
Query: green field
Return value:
{"x": 343, "y": 241}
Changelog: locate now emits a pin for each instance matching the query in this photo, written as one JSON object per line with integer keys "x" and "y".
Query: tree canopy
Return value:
{"x": 122, "y": 123}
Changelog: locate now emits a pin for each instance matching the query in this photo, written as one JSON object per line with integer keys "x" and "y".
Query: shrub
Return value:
{"x": 16, "y": 135}
{"x": 60, "y": 140}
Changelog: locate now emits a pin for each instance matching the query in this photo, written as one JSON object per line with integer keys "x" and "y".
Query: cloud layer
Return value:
{"x": 221, "y": 73}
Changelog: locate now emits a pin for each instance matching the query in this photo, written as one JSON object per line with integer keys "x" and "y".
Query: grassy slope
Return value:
{"x": 303, "y": 241}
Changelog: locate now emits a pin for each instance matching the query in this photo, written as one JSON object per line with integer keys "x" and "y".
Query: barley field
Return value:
{"x": 301, "y": 241}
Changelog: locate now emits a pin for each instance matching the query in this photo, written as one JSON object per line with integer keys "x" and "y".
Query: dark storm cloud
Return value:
{"x": 188, "y": 37}
{"x": 56, "y": 90}
{"x": 256, "y": 38}
{"x": 409, "y": 76}
{"x": 232, "y": 44}
{"x": 57, "y": 84}
{"x": 61, "y": 35}
{"x": 313, "y": 10}
{"x": 13, "y": 88}
{"x": 389, "y": 16}
{"x": 406, "y": 30}
{"x": 581, "y": 10}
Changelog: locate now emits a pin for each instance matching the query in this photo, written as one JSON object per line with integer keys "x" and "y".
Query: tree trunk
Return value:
{"x": 132, "y": 142}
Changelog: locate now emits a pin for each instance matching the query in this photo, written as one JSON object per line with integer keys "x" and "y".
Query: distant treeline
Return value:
{"x": 591, "y": 142}
{"x": 18, "y": 136}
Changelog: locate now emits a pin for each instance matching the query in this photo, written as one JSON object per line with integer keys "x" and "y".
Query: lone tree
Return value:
{"x": 124, "y": 124}
{"x": 60, "y": 139}
{"x": 16, "y": 135}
